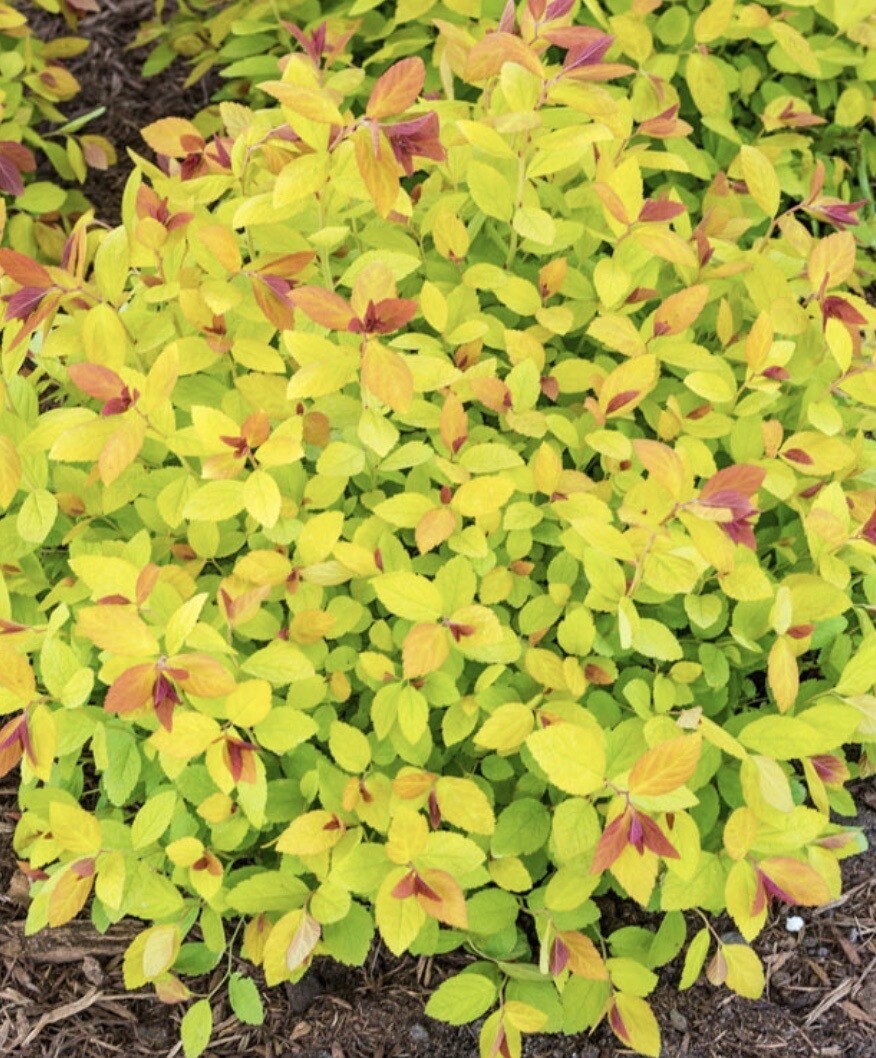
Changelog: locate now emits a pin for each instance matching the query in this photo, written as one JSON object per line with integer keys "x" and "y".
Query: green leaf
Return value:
{"x": 462, "y": 998}
{"x": 196, "y": 1028}
{"x": 243, "y": 994}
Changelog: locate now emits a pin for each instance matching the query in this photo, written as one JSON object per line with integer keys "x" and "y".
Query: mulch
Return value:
{"x": 61, "y": 991}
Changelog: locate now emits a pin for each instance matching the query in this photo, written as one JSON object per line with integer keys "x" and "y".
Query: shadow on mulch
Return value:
{"x": 110, "y": 76}
{"x": 61, "y": 994}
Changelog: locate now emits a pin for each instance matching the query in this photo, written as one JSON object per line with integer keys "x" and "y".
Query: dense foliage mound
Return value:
{"x": 451, "y": 496}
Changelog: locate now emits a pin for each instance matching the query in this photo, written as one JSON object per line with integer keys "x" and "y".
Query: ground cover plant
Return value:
{"x": 447, "y": 497}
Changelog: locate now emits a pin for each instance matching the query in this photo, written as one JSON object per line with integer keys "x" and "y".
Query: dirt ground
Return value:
{"x": 61, "y": 992}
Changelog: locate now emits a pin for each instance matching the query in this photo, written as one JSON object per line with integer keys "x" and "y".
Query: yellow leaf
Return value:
{"x": 262, "y": 499}
{"x": 249, "y": 703}
{"x": 832, "y": 261}
{"x": 524, "y": 1017}
{"x": 398, "y": 920}
{"x": 386, "y": 375}
{"x": 117, "y": 629}
{"x": 782, "y": 673}
{"x": 10, "y": 470}
{"x": 507, "y": 728}
{"x": 761, "y": 179}
{"x": 663, "y": 464}
{"x": 482, "y": 496}
{"x": 801, "y": 883}
{"x": 74, "y": 829}
{"x": 16, "y": 674}
{"x": 634, "y": 1024}
{"x": 628, "y": 385}
{"x": 705, "y": 80}
{"x": 160, "y": 949}
{"x": 378, "y": 169}
{"x": 464, "y": 804}
{"x": 409, "y": 595}
{"x": 311, "y": 833}
{"x": 665, "y": 767}
{"x": 121, "y": 449}
{"x": 310, "y": 626}
{"x": 434, "y": 528}
{"x": 744, "y": 974}
{"x": 408, "y": 835}
{"x": 425, "y": 649}
{"x": 68, "y": 897}
{"x": 450, "y": 907}
{"x": 572, "y": 757}
{"x": 175, "y": 137}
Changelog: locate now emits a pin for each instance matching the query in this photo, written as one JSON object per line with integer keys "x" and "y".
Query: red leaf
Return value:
{"x": 614, "y": 840}
{"x": 620, "y": 399}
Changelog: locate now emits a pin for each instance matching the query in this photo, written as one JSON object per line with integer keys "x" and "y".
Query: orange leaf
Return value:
{"x": 665, "y": 767}
{"x": 489, "y": 55}
{"x": 68, "y": 897}
{"x": 175, "y": 137}
{"x": 744, "y": 479}
{"x": 583, "y": 959}
{"x": 797, "y": 881}
{"x": 434, "y": 528}
{"x": 324, "y": 307}
{"x": 204, "y": 676}
{"x": 450, "y": 906}
{"x": 397, "y": 89}
{"x": 425, "y": 650}
{"x": 132, "y": 690}
{"x": 680, "y": 310}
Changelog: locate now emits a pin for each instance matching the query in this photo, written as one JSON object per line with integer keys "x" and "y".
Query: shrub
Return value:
{"x": 446, "y": 499}
{"x": 33, "y": 81}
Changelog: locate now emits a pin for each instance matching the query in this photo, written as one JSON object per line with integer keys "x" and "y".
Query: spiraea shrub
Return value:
{"x": 450, "y": 497}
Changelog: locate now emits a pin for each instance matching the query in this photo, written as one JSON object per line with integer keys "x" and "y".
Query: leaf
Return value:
{"x": 462, "y": 998}
{"x": 396, "y": 89}
{"x": 665, "y": 767}
{"x": 386, "y": 375}
{"x": 196, "y": 1028}
{"x": 378, "y": 168}
{"x": 398, "y": 920}
{"x": 628, "y": 385}
{"x": 745, "y": 974}
{"x": 160, "y": 949}
{"x": 243, "y": 995}
{"x": 10, "y": 470}
{"x": 760, "y": 179}
{"x": 425, "y": 649}
{"x": 262, "y": 499}
{"x": 482, "y": 496}
{"x": 175, "y": 137}
{"x": 68, "y": 897}
{"x": 572, "y": 757}
{"x": 409, "y": 595}
{"x": 782, "y": 673}
{"x": 634, "y": 1024}
{"x": 117, "y": 629}
{"x": 679, "y": 311}
{"x": 694, "y": 959}
{"x": 311, "y": 833}
{"x": 464, "y": 804}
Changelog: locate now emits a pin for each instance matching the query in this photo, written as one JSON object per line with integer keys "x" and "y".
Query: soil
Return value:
{"x": 61, "y": 992}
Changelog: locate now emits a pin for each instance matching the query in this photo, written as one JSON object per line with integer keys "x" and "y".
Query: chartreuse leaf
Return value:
{"x": 196, "y": 1028}
{"x": 462, "y": 998}
{"x": 243, "y": 994}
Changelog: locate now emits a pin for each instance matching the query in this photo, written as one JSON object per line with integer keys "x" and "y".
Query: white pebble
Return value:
{"x": 794, "y": 924}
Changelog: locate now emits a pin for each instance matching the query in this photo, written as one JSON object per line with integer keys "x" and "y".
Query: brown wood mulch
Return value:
{"x": 61, "y": 994}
